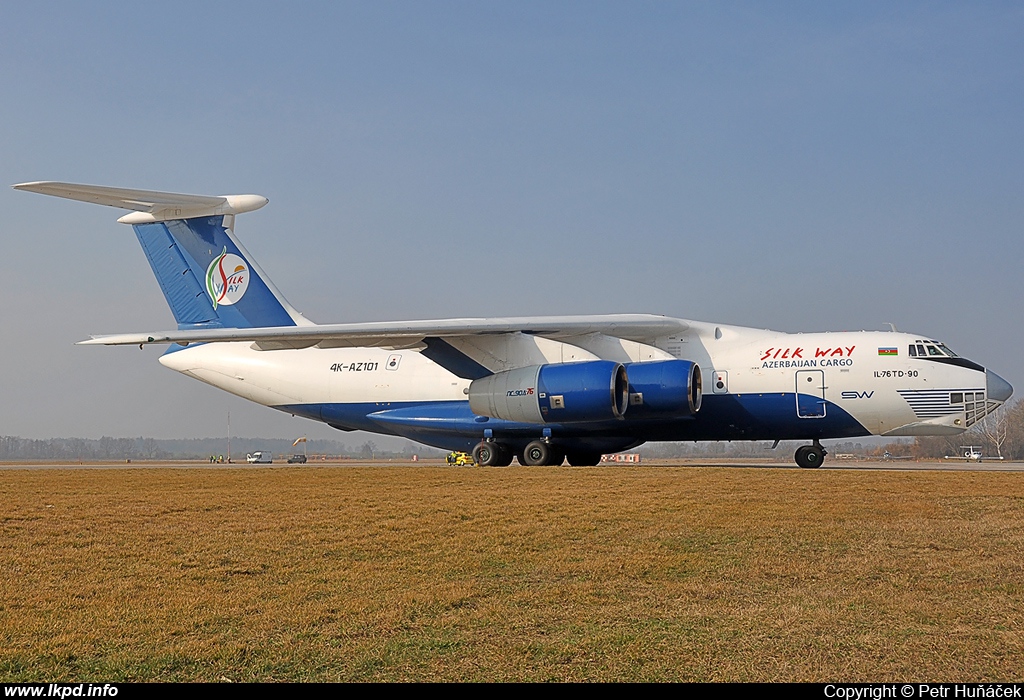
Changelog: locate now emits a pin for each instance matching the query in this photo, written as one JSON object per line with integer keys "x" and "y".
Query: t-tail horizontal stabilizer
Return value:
{"x": 150, "y": 206}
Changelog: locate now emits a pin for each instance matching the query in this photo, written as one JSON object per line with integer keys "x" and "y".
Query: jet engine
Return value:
{"x": 561, "y": 393}
{"x": 664, "y": 389}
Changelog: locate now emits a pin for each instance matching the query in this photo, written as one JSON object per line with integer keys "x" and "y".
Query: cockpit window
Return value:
{"x": 934, "y": 349}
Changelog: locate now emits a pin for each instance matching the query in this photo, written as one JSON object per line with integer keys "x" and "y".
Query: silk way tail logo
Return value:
{"x": 227, "y": 278}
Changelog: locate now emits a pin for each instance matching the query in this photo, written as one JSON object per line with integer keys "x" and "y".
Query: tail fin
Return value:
{"x": 207, "y": 277}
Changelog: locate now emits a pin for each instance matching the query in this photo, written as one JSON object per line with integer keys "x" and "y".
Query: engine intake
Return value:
{"x": 564, "y": 393}
{"x": 664, "y": 389}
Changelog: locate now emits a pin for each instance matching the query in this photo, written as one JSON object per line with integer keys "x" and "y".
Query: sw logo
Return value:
{"x": 857, "y": 394}
{"x": 227, "y": 278}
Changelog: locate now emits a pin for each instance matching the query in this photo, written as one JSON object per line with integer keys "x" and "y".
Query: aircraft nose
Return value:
{"x": 997, "y": 388}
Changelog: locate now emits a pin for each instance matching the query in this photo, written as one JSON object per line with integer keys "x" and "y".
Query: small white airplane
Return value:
{"x": 541, "y": 389}
{"x": 889, "y": 457}
{"x": 971, "y": 453}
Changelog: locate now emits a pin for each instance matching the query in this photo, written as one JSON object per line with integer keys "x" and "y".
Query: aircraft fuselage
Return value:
{"x": 757, "y": 385}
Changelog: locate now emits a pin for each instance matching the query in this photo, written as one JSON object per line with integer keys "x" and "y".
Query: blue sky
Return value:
{"x": 798, "y": 166}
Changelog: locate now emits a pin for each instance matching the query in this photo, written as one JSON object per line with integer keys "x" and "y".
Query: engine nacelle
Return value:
{"x": 564, "y": 393}
{"x": 664, "y": 389}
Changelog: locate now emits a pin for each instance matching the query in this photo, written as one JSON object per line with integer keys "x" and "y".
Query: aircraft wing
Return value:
{"x": 635, "y": 327}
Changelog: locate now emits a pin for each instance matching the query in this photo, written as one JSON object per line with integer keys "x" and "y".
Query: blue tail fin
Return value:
{"x": 207, "y": 277}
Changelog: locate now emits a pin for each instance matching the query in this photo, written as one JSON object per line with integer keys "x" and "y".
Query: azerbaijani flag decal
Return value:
{"x": 888, "y": 352}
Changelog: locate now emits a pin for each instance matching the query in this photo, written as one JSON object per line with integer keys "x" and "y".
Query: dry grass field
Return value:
{"x": 471, "y": 574}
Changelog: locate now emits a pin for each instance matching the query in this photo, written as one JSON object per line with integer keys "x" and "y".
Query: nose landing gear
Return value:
{"x": 810, "y": 456}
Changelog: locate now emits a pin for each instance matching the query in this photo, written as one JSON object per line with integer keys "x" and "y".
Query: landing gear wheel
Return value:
{"x": 584, "y": 459}
{"x": 536, "y": 453}
{"x": 810, "y": 456}
{"x": 541, "y": 454}
{"x": 488, "y": 454}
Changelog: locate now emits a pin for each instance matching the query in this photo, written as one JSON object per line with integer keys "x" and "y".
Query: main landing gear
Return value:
{"x": 489, "y": 453}
{"x": 539, "y": 453}
{"x": 492, "y": 454}
{"x": 542, "y": 454}
{"x": 810, "y": 456}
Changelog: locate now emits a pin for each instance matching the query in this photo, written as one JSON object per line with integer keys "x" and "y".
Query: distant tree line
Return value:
{"x": 75, "y": 449}
{"x": 121, "y": 449}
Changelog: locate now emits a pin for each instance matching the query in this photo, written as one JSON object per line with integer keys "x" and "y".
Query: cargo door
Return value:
{"x": 810, "y": 393}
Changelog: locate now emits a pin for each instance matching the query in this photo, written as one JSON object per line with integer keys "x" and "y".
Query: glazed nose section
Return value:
{"x": 997, "y": 388}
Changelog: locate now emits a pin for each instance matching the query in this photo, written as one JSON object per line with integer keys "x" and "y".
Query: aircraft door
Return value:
{"x": 810, "y": 393}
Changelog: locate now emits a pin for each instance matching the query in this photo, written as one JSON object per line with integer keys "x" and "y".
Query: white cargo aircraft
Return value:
{"x": 541, "y": 389}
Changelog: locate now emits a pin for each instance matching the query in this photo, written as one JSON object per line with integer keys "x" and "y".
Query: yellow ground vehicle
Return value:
{"x": 460, "y": 459}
